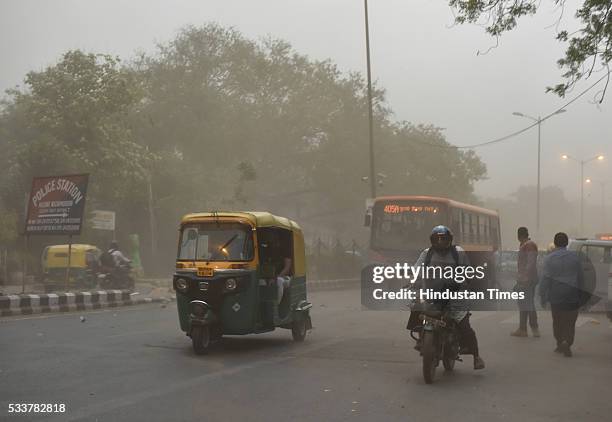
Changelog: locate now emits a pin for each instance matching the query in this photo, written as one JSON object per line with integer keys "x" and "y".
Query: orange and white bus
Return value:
{"x": 400, "y": 227}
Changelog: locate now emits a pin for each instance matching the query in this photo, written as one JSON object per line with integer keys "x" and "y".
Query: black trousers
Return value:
{"x": 468, "y": 336}
{"x": 527, "y": 310}
{"x": 564, "y": 323}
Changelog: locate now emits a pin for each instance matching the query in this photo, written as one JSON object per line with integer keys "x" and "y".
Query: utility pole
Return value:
{"x": 152, "y": 226}
{"x": 582, "y": 182}
{"x": 370, "y": 111}
{"x": 538, "y": 188}
{"x": 538, "y": 121}
{"x": 582, "y": 198}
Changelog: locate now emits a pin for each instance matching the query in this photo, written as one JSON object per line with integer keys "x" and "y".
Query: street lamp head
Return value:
{"x": 587, "y": 180}
{"x": 600, "y": 157}
{"x": 516, "y": 113}
{"x": 564, "y": 157}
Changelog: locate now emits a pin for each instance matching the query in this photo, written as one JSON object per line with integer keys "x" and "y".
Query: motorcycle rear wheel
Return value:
{"x": 428, "y": 351}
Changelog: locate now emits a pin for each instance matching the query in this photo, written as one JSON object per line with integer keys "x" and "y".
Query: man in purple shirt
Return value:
{"x": 527, "y": 279}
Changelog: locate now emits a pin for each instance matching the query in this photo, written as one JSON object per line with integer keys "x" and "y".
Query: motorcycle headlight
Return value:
{"x": 181, "y": 284}
{"x": 230, "y": 284}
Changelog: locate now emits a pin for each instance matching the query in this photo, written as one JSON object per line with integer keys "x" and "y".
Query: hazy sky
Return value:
{"x": 430, "y": 69}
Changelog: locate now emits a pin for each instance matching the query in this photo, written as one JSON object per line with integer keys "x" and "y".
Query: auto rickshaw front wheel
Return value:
{"x": 298, "y": 330}
{"x": 200, "y": 338}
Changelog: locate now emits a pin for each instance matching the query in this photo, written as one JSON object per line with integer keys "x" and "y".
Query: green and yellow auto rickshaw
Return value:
{"x": 240, "y": 273}
{"x": 83, "y": 266}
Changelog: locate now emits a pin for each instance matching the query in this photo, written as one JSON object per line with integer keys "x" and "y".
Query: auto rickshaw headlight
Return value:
{"x": 181, "y": 284}
{"x": 230, "y": 284}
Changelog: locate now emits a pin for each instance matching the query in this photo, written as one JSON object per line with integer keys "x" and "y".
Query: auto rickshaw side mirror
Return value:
{"x": 368, "y": 220}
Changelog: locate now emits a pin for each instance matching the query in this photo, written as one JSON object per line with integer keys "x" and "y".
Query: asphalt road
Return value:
{"x": 135, "y": 364}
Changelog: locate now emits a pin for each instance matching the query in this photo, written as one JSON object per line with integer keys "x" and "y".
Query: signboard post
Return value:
{"x": 56, "y": 206}
{"x": 103, "y": 220}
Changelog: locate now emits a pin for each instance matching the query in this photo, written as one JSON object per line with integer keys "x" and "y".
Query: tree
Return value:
{"x": 589, "y": 49}
{"x": 73, "y": 118}
{"x": 211, "y": 121}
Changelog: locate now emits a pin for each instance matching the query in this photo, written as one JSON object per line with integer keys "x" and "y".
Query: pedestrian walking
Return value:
{"x": 561, "y": 286}
{"x": 527, "y": 279}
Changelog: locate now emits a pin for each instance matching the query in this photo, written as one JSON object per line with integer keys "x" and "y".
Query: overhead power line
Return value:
{"x": 518, "y": 132}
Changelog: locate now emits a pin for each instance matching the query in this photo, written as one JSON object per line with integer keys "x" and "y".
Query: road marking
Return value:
{"x": 88, "y": 411}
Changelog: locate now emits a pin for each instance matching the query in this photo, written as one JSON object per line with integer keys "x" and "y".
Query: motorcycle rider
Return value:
{"x": 443, "y": 253}
{"x": 120, "y": 263}
{"x": 119, "y": 259}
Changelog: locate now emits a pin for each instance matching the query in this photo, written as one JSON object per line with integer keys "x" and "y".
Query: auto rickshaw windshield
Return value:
{"x": 216, "y": 242}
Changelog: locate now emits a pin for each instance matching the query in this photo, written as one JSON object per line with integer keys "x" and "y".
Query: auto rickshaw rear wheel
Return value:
{"x": 298, "y": 330}
{"x": 200, "y": 338}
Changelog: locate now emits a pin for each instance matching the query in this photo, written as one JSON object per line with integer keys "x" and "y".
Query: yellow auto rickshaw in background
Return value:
{"x": 84, "y": 264}
{"x": 240, "y": 273}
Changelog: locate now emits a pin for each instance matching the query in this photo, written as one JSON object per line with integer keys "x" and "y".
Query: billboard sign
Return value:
{"x": 103, "y": 220}
{"x": 56, "y": 204}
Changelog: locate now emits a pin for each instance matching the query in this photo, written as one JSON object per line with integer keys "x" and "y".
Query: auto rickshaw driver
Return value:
{"x": 279, "y": 258}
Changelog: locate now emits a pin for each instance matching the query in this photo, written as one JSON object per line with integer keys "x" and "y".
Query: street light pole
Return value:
{"x": 582, "y": 197}
{"x": 538, "y": 188}
{"x": 603, "y": 206}
{"x": 370, "y": 111}
{"x": 582, "y": 181}
{"x": 539, "y": 173}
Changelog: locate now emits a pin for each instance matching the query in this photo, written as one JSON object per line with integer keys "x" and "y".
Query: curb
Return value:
{"x": 68, "y": 302}
{"x": 29, "y": 304}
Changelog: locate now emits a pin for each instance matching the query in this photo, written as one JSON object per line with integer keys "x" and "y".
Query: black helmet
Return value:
{"x": 441, "y": 238}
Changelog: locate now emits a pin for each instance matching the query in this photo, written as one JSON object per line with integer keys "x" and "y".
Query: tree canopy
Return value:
{"x": 589, "y": 49}
{"x": 211, "y": 121}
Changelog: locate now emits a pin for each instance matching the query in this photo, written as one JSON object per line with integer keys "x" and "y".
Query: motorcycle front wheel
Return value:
{"x": 428, "y": 351}
{"x": 449, "y": 363}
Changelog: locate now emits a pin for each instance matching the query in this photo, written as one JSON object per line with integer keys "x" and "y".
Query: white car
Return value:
{"x": 599, "y": 253}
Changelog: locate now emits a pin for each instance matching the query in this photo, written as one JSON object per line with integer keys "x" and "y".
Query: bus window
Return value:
{"x": 482, "y": 225}
{"x": 456, "y": 224}
{"x": 494, "y": 233}
{"x": 472, "y": 228}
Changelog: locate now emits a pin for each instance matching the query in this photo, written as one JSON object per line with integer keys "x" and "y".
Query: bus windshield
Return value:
{"x": 216, "y": 242}
{"x": 403, "y": 226}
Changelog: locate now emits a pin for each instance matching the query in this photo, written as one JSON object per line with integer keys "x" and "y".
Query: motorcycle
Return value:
{"x": 437, "y": 338}
{"x": 116, "y": 278}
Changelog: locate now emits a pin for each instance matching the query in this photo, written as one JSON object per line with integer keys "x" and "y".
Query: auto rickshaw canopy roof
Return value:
{"x": 256, "y": 218}
{"x": 75, "y": 247}
{"x": 56, "y": 256}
